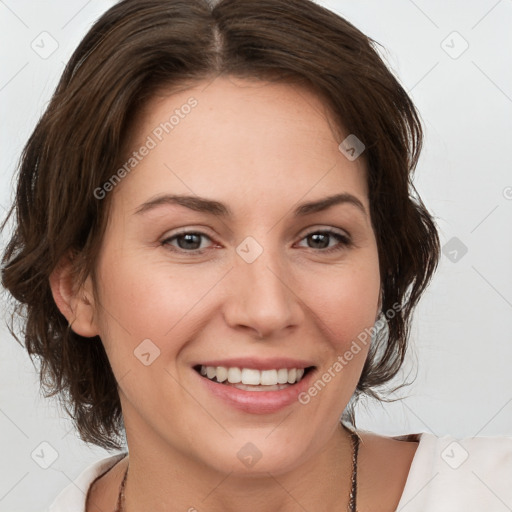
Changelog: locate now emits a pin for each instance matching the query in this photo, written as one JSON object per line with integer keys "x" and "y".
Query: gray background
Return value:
{"x": 461, "y": 336}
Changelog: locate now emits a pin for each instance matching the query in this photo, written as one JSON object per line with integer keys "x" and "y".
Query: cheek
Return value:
{"x": 150, "y": 301}
{"x": 345, "y": 303}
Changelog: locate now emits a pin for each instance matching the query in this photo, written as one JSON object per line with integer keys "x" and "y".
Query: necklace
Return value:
{"x": 353, "y": 487}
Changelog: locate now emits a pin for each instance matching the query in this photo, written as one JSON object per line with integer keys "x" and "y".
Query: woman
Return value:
{"x": 219, "y": 249}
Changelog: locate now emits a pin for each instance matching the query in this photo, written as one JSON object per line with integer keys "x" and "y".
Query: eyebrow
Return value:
{"x": 204, "y": 205}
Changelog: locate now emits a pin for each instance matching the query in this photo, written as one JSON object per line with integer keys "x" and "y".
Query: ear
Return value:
{"x": 76, "y": 304}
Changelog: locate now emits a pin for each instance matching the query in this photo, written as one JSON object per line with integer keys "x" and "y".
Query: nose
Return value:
{"x": 261, "y": 297}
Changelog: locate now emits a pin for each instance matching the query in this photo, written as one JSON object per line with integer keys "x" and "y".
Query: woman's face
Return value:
{"x": 263, "y": 281}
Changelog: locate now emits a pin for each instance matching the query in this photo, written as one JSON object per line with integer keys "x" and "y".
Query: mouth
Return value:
{"x": 252, "y": 379}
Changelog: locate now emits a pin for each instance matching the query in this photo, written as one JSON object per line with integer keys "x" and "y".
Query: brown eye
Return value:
{"x": 186, "y": 241}
{"x": 321, "y": 239}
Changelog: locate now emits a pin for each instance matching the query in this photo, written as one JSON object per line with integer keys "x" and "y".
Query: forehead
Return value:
{"x": 240, "y": 141}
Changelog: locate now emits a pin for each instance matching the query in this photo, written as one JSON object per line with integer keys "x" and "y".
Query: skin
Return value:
{"x": 260, "y": 148}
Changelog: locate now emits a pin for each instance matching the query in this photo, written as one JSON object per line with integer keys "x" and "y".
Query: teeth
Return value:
{"x": 268, "y": 378}
{"x": 252, "y": 377}
{"x": 222, "y": 373}
{"x": 234, "y": 375}
{"x": 282, "y": 376}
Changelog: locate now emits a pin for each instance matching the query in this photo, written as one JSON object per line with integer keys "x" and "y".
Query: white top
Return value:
{"x": 446, "y": 475}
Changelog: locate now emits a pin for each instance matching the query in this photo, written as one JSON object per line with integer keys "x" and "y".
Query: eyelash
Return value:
{"x": 344, "y": 241}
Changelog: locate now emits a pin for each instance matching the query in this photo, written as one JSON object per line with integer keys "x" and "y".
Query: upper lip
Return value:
{"x": 258, "y": 363}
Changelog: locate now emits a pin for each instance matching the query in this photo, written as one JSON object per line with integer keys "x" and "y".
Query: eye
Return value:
{"x": 320, "y": 240}
{"x": 190, "y": 241}
{"x": 187, "y": 241}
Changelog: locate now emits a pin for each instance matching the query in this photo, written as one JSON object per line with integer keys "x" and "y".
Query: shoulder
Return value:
{"x": 73, "y": 497}
{"x": 448, "y": 473}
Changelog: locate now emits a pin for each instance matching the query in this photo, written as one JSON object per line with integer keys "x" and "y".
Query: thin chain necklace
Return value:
{"x": 353, "y": 488}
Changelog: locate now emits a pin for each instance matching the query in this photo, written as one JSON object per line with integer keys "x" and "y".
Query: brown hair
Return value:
{"x": 136, "y": 48}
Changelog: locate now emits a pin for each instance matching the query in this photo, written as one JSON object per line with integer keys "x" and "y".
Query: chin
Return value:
{"x": 256, "y": 454}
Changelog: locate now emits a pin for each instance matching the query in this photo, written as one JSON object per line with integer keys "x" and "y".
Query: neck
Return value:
{"x": 162, "y": 478}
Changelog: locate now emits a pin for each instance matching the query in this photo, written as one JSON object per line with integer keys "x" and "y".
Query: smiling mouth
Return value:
{"x": 250, "y": 379}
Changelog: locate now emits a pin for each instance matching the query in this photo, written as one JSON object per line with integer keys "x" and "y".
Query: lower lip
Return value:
{"x": 258, "y": 402}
